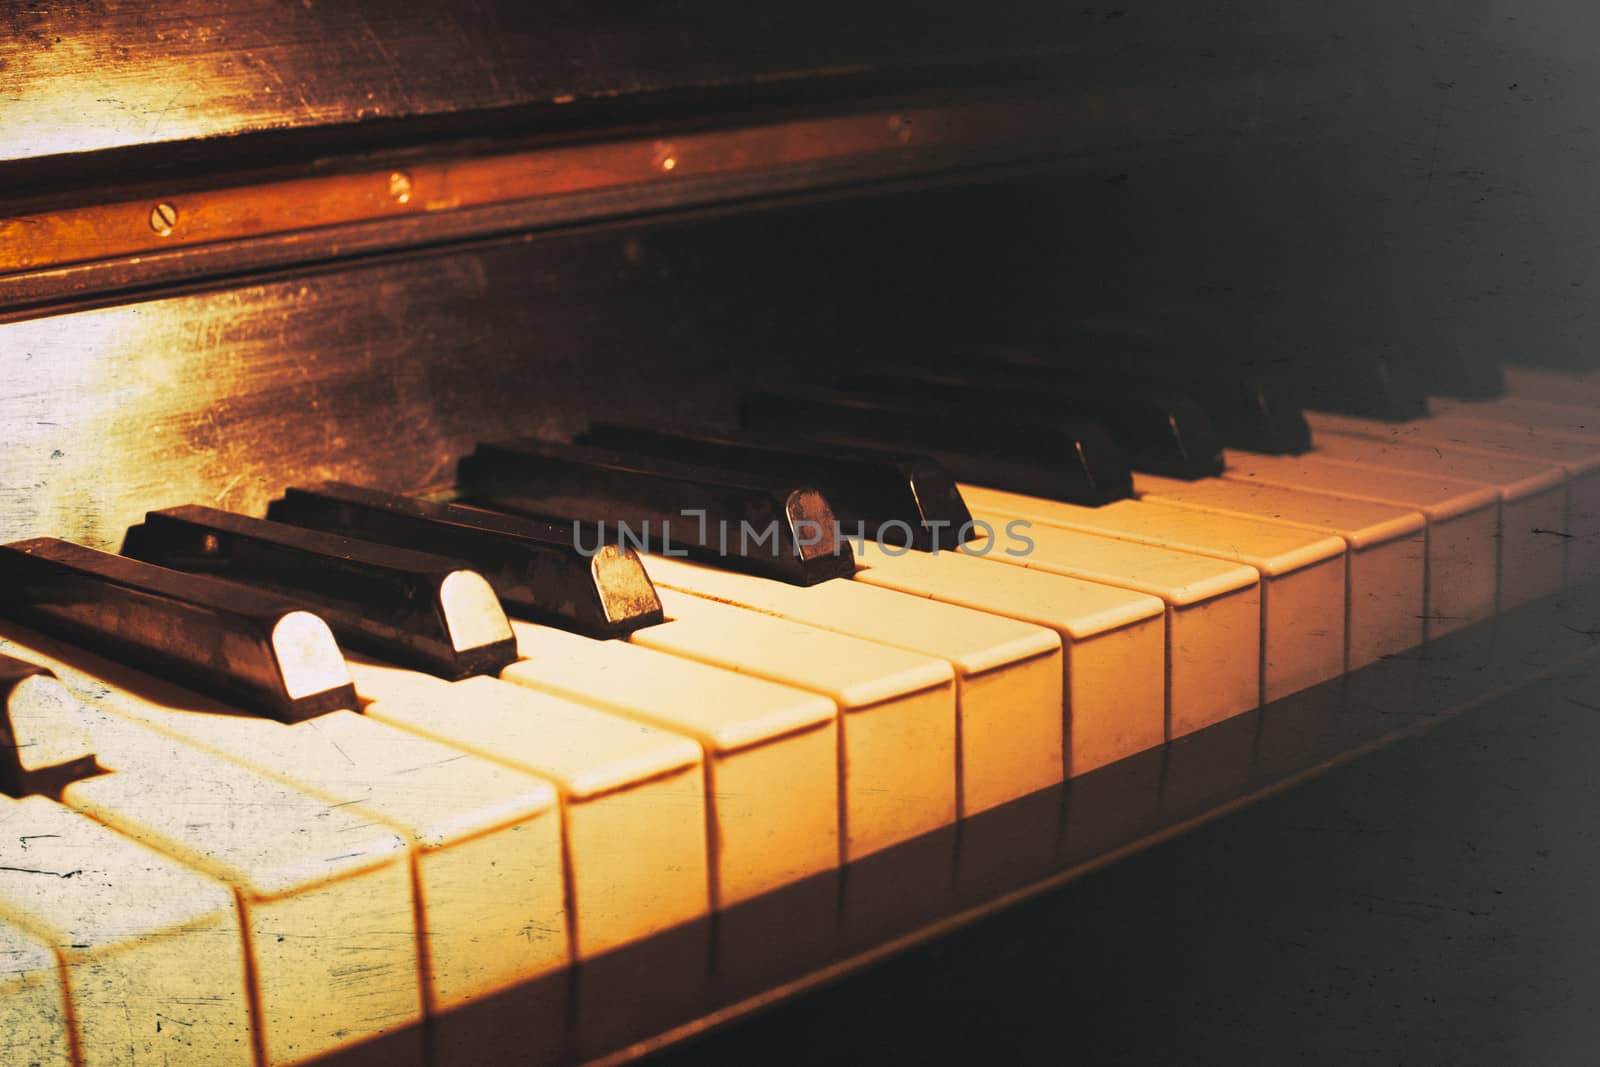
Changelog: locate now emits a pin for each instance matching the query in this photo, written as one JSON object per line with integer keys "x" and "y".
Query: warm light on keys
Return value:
{"x": 1302, "y": 572}
{"x": 1213, "y": 612}
{"x": 308, "y": 654}
{"x": 486, "y": 839}
{"x": 1113, "y": 696}
{"x": 294, "y": 861}
{"x": 1567, "y": 422}
{"x": 150, "y": 950}
{"x": 326, "y": 893}
{"x": 633, "y": 797}
{"x": 1008, "y": 673}
{"x": 1463, "y": 524}
{"x": 1576, "y": 454}
{"x": 473, "y": 615}
{"x": 486, "y": 844}
{"x": 46, "y": 723}
{"x": 897, "y": 722}
{"x": 1533, "y": 501}
{"x": 771, "y": 751}
{"x": 33, "y": 1005}
{"x": 1387, "y": 546}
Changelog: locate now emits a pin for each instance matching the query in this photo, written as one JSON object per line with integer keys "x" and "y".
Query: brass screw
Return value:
{"x": 400, "y": 186}
{"x": 666, "y": 157}
{"x": 900, "y": 126}
{"x": 163, "y": 218}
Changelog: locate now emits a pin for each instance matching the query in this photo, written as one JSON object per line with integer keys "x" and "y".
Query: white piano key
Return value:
{"x": 486, "y": 840}
{"x": 328, "y": 906}
{"x": 1533, "y": 501}
{"x": 1574, "y": 422}
{"x": 328, "y": 910}
{"x": 1563, "y": 419}
{"x": 1577, "y": 455}
{"x": 1561, "y": 387}
{"x": 1213, "y": 610}
{"x": 1386, "y": 577}
{"x": 33, "y": 1003}
{"x": 771, "y": 751}
{"x": 150, "y": 950}
{"x": 1008, "y": 673}
{"x": 1302, "y": 572}
{"x": 1113, "y": 641}
{"x": 897, "y": 723}
{"x": 633, "y": 801}
{"x": 1463, "y": 518}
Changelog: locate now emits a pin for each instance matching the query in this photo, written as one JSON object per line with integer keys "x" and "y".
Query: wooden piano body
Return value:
{"x": 245, "y": 245}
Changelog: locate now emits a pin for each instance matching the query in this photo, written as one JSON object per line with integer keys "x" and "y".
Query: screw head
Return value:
{"x": 163, "y": 218}
{"x": 400, "y": 187}
{"x": 900, "y": 126}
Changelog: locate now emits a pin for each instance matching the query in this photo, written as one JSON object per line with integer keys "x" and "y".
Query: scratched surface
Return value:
{"x": 94, "y": 74}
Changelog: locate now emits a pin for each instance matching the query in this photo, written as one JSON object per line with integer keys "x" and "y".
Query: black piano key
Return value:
{"x": 1070, "y": 461}
{"x": 901, "y": 499}
{"x": 1159, "y": 432}
{"x": 1369, "y": 384}
{"x": 1248, "y": 408}
{"x": 1254, "y": 413}
{"x": 1444, "y": 368}
{"x": 419, "y": 610}
{"x": 534, "y": 566}
{"x": 43, "y": 741}
{"x": 780, "y": 529}
{"x": 250, "y": 648}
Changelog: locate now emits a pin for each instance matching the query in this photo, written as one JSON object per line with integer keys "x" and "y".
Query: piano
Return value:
{"x": 562, "y": 536}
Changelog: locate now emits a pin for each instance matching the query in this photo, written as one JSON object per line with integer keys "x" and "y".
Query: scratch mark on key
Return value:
{"x": 31, "y": 870}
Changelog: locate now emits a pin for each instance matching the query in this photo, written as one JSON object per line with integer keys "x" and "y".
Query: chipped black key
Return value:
{"x": 252, "y": 648}
{"x": 533, "y": 565}
{"x": 900, "y": 499}
{"x": 416, "y": 609}
{"x": 44, "y": 742}
{"x": 1057, "y": 458}
{"x": 779, "y": 529}
{"x": 1159, "y": 432}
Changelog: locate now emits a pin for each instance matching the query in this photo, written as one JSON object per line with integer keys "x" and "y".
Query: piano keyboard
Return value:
{"x": 491, "y": 801}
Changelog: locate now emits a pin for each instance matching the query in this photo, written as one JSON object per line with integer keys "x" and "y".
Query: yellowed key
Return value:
{"x": 33, "y": 1006}
{"x": 1576, "y": 455}
{"x": 897, "y": 750}
{"x": 1573, "y": 422}
{"x": 1008, "y": 673}
{"x": 1213, "y": 611}
{"x": 150, "y": 950}
{"x": 1113, "y": 641}
{"x": 1463, "y": 524}
{"x": 1302, "y": 572}
{"x": 1533, "y": 501}
{"x": 1386, "y": 581}
{"x": 486, "y": 840}
{"x": 325, "y": 893}
{"x": 771, "y": 751}
{"x": 633, "y": 799}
